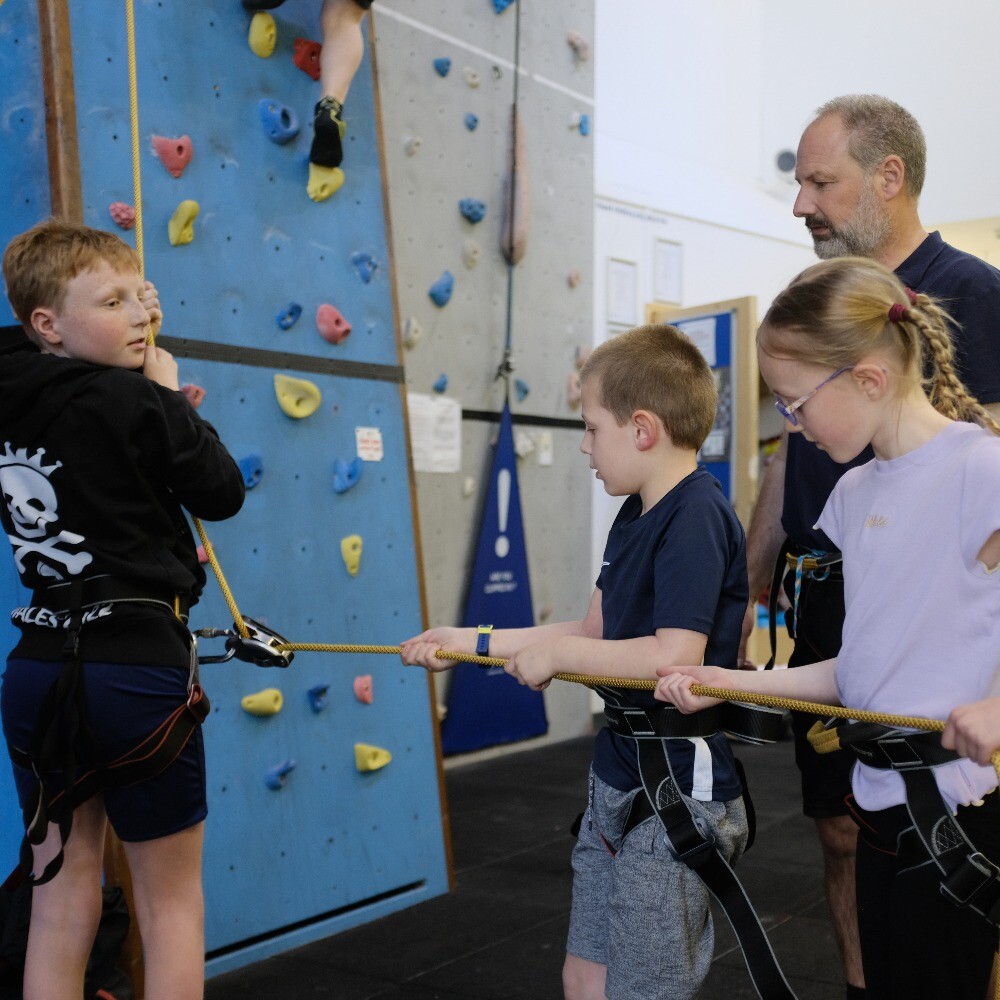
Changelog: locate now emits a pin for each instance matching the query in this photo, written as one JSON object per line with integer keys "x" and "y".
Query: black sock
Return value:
{"x": 854, "y": 993}
{"x": 328, "y": 132}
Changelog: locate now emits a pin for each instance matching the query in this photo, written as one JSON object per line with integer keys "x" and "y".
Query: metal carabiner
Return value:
{"x": 260, "y": 647}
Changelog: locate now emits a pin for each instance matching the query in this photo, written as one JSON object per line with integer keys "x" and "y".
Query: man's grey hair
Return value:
{"x": 877, "y": 128}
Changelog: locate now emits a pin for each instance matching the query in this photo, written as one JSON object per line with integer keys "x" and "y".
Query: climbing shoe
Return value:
{"x": 255, "y": 5}
{"x": 328, "y": 133}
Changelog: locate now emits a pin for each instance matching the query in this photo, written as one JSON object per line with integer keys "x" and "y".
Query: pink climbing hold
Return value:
{"x": 332, "y": 326}
{"x": 306, "y": 56}
{"x": 363, "y": 689}
{"x": 195, "y": 394}
{"x": 122, "y": 214}
{"x": 202, "y": 555}
{"x": 175, "y": 154}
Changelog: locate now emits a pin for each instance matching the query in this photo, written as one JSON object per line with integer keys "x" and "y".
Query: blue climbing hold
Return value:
{"x": 366, "y": 265}
{"x": 471, "y": 121}
{"x": 318, "y": 697}
{"x": 280, "y": 122}
{"x": 584, "y": 124}
{"x": 440, "y": 291}
{"x": 346, "y": 474}
{"x": 441, "y": 385}
{"x": 289, "y": 316}
{"x": 252, "y": 468}
{"x": 501, "y": 5}
{"x": 442, "y": 65}
{"x": 522, "y": 388}
{"x": 274, "y": 777}
{"x": 472, "y": 209}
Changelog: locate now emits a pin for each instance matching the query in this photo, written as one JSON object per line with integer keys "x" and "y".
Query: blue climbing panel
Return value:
{"x": 332, "y": 847}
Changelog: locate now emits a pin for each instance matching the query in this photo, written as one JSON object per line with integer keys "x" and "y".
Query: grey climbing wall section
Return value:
{"x": 327, "y": 813}
{"x": 433, "y": 162}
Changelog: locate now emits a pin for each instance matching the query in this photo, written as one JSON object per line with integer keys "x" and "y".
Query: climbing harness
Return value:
{"x": 968, "y": 877}
{"x": 688, "y": 837}
{"x": 65, "y": 755}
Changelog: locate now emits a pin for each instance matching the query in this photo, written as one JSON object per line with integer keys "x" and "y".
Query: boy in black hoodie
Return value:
{"x": 99, "y": 453}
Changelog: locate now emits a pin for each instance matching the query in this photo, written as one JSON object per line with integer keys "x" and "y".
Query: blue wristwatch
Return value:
{"x": 483, "y": 640}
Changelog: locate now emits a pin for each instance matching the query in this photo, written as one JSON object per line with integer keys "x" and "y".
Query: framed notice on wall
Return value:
{"x": 667, "y": 260}
{"x": 622, "y": 292}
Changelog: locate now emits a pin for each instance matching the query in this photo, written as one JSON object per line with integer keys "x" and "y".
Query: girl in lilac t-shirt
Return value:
{"x": 846, "y": 348}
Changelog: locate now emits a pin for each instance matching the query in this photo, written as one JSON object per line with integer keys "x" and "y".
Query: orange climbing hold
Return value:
{"x": 363, "y": 689}
{"x": 174, "y": 154}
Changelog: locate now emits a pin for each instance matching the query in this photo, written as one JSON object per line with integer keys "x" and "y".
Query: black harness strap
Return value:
{"x": 689, "y": 839}
{"x": 63, "y": 739}
{"x": 969, "y": 878}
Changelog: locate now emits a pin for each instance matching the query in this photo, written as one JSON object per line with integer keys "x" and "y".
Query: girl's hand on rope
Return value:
{"x": 159, "y": 366}
{"x": 535, "y": 665}
{"x": 675, "y": 686}
{"x": 974, "y": 730}
{"x": 419, "y": 651}
{"x": 150, "y": 298}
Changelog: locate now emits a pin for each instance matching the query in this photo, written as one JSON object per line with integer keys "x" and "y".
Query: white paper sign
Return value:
{"x": 702, "y": 332}
{"x": 369, "y": 442}
{"x": 435, "y": 433}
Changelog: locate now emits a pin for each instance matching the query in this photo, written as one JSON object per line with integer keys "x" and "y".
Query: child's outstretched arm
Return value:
{"x": 815, "y": 682}
{"x": 504, "y": 642}
{"x": 974, "y": 730}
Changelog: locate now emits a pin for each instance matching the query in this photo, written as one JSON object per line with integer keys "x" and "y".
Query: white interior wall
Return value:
{"x": 694, "y": 101}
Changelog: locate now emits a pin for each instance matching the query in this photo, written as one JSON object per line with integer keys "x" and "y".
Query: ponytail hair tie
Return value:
{"x": 897, "y": 312}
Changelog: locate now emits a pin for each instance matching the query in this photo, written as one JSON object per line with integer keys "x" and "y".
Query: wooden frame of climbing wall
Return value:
{"x": 728, "y": 329}
{"x": 302, "y": 839}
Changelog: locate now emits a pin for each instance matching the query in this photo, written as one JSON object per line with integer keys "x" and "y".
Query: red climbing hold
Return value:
{"x": 306, "y": 56}
{"x": 332, "y": 326}
{"x": 123, "y": 215}
{"x": 175, "y": 154}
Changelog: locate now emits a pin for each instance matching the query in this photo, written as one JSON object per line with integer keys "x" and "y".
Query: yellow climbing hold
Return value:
{"x": 369, "y": 758}
{"x": 298, "y": 397}
{"x": 181, "y": 225}
{"x": 263, "y": 34}
{"x": 324, "y": 181}
{"x": 350, "y": 549}
{"x": 266, "y": 702}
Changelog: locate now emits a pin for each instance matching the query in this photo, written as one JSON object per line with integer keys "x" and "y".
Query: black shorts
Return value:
{"x": 826, "y": 778}
{"x": 126, "y": 702}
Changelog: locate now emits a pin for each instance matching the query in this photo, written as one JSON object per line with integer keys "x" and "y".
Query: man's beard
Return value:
{"x": 865, "y": 232}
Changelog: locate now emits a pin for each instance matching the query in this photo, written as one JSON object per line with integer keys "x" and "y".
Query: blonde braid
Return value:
{"x": 947, "y": 391}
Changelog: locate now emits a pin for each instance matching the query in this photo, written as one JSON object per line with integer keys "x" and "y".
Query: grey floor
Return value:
{"x": 501, "y": 932}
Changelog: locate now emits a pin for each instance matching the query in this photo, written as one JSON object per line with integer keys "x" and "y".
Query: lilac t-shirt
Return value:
{"x": 922, "y": 630}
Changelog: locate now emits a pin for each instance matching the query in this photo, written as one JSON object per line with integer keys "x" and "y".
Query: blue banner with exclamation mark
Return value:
{"x": 485, "y": 706}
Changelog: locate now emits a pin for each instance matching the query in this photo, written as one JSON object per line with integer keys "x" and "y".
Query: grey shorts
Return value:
{"x": 639, "y": 912}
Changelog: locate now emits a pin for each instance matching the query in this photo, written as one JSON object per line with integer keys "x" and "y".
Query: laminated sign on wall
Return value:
{"x": 485, "y": 706}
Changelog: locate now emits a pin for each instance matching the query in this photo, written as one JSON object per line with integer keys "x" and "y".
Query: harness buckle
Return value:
{"x": 966, "y": 882}
{"x": 260, "y": 647}
{"x": 704, "y": 843}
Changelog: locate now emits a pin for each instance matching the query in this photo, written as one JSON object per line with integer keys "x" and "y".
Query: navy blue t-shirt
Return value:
{"x": 682, "y": 564}
{"x": 969, "y": 289}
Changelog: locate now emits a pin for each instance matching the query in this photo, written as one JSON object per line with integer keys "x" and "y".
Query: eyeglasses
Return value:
{"x": 788, "y": 412}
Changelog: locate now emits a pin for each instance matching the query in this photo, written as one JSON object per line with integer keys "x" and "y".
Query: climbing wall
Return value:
{"x": 447, "y": 73}
{"x": 311, "y": 830}
{"x": 24, "y": 178}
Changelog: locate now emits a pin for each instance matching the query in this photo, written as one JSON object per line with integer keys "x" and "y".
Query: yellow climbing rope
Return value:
{"x": 133, "y": 99}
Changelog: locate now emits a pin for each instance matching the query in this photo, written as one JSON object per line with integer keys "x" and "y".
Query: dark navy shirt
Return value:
{"x": 682, "y": 564}
{"x": 969, "y": 290}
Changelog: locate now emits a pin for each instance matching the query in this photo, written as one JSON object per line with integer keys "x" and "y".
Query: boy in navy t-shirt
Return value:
{"x": 673, "y": 587}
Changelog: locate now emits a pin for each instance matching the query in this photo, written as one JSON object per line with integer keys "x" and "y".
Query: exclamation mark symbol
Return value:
{"x": 502, "y": 546}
